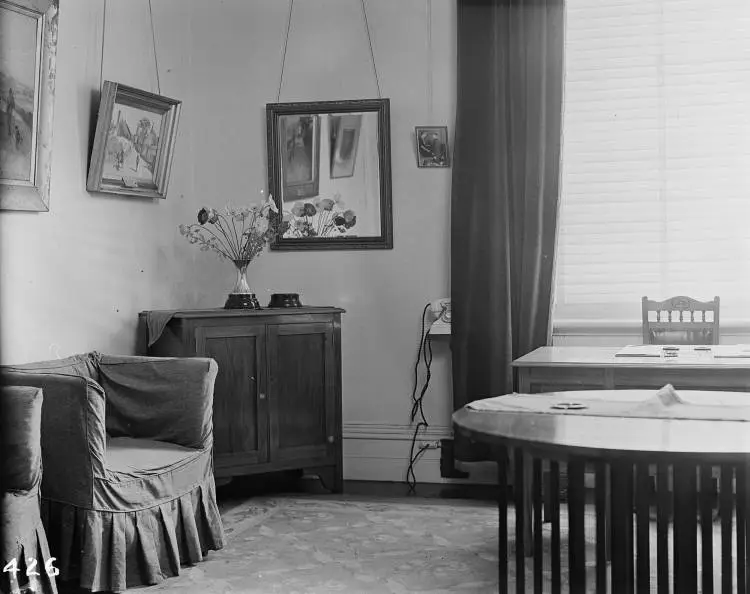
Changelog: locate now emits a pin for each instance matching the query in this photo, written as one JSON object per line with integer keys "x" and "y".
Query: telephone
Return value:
{"x": 441, "y": 311}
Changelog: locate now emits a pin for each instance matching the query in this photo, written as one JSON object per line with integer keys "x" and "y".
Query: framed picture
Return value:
{"x": 300, "y": 163}
{"x": 432, "y": 146}
{"x": 28, "y": 37}
{"x": 348, "y": 207}
{"x": 344, "y": 133}
{"x": 134, "y": 142}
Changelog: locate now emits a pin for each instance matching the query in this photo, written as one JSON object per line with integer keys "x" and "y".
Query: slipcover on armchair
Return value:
{"x": 128, "y": 493}
{"x": 22, "y": 535}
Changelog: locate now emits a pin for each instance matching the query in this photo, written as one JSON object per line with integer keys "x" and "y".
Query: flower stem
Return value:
{"x": 329, "y": 227}
{"x": 225, "y": 233}
{"x": 226, "y": 251}
{"x": 239, "y": 243}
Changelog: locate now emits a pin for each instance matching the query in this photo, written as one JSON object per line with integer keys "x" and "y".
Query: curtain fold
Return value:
{"x": 505, "y": 190}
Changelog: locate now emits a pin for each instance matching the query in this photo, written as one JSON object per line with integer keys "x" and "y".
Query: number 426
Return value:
{"x": 49, "y": 567}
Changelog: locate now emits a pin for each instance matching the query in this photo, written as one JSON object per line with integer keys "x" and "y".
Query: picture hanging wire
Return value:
{"x": 428, "y": 6}
{"x": 153, "y": 41}
{"x": 283, "y": 53}
{"x": 286, "y": 43}
{"x": 372, "y": 54}
{"x": 101, "y": 63}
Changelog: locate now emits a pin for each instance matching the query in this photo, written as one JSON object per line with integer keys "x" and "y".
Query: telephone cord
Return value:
{"x": 424, "y": 353}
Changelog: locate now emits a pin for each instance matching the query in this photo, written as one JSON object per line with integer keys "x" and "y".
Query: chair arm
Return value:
{"x": 162, "y": 398}
{"x": 72, "y": 435}
{"x": 20, "y": 437}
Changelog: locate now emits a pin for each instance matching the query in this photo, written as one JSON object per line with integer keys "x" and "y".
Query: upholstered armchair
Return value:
{"x": 128, "y": 494}
{"x": 22, "y": 535}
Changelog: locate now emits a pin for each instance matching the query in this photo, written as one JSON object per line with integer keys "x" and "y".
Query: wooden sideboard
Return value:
{"x": 277, "y": 398}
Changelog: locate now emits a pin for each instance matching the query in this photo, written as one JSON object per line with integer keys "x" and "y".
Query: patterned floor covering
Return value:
{"x": 326, "y": 544}
{"x": 323, "y": 544}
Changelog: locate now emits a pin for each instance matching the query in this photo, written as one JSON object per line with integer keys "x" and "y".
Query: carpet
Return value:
{"x": 325, "y": 544}
{"x": 320, "y": 544}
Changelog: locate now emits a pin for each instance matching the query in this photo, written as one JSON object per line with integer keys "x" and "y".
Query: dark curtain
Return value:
{"x": 505, "y": 190}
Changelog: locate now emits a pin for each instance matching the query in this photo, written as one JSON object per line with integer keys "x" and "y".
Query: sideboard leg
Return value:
{"x": 224, "y": 480}
{"x": 330, "y": 477}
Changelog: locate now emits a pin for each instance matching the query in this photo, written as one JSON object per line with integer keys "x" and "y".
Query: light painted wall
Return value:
{"x": 75, "y": 278}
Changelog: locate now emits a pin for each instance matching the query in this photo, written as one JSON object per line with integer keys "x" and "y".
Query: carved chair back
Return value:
{"x": 680, "y": 320}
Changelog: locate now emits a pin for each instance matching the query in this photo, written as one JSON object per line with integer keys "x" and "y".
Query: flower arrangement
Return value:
{"x": 323, "y": 217}
{"x": 234, "y": 234}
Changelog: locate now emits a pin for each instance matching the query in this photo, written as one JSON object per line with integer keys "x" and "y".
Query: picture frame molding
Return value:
{"x": 382, "y": 108}
{"x": 113, "y": 93}
{"x": 34, "y": 195}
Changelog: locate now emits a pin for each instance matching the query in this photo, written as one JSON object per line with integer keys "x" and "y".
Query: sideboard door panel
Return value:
{"x": 240, "y": 406}
{"x": 302, "y": 372}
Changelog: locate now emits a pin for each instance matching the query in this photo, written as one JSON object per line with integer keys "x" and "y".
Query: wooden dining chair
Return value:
{"x": 680, "y": 320}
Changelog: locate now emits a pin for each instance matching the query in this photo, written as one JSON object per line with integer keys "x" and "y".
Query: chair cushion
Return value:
{"x": 139, "y": 457}
{"x": 141, "y": 473}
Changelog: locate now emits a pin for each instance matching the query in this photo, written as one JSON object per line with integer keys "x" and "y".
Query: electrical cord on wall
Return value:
{"x": 424, "y": 353}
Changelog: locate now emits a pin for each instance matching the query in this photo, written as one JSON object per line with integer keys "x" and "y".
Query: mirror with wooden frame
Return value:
{"x": 329, "y": 171}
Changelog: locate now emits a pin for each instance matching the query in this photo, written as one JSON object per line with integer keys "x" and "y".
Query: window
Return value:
{"x": 656, "y": 157}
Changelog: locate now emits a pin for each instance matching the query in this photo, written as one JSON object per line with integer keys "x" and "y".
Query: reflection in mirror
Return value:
{"x": 331, "y": 174}
{"x": 331, "y": 157}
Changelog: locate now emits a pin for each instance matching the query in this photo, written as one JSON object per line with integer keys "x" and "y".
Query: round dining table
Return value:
{"x": 619, "y": 490}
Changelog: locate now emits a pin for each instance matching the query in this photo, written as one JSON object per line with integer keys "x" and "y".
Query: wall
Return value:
{"x": 75, "y": 278}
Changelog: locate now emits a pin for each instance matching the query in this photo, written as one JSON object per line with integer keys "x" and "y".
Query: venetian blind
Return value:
{"x": 656, "y": 157}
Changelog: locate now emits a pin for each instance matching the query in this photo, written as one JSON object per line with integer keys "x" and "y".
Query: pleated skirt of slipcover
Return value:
{"x": 24, "y": 546}
{"x": 113, "y": 551}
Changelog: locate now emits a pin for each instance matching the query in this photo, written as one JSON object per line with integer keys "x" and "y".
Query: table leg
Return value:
{"x": 554, "y": 492}
{"x": 622, "y": 526}
{"x": 527, "y": 507}
{"x": 603, "y": 495}
{"x": 522, "y": 494}
{"x": 502, "y": 509}
{"x": 576, "y": 525}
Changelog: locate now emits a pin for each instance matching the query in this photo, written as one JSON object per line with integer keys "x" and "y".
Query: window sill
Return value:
{"x": 729, "y": 327}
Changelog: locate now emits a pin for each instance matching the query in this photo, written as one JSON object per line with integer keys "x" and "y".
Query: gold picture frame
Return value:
{"x": 27, "y": 97}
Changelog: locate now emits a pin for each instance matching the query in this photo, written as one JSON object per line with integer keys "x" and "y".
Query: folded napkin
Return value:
{"x": 156, "y": 321}
{"x": 665, "y": 403}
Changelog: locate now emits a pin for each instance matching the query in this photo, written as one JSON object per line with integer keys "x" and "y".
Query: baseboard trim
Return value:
{"x": 377, "y": 431}
{"x": 380, "y": 452}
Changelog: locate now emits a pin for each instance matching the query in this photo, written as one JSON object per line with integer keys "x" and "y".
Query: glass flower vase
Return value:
{"x": 241, "y": 297}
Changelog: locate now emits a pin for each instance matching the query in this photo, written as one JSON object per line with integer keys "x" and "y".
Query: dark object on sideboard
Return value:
{"x": 277, "y": 399}
{"x": 285, "y": 300}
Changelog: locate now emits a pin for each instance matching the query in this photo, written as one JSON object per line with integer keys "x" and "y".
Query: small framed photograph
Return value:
{"x": 300, "y": 163}
{"x": 344, "y": 132}
{"x": 134, "y": 142}
{"x": 28, "y": 37}
{"x": 432, "y": 146}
